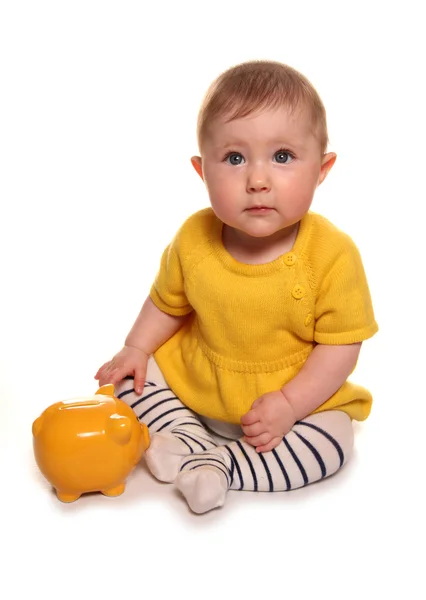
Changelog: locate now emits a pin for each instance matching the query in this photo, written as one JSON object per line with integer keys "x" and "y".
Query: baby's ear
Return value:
{"x": 328, "y": 161}
{"x": 197, "y": 164}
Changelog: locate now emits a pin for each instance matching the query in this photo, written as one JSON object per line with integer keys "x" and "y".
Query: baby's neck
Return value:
{"x": 254, "y": 251}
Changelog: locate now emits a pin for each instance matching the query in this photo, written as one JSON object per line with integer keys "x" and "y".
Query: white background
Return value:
{"x": 98, "y": 104}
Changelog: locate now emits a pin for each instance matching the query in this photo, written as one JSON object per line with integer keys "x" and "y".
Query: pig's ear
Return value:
{"x": 145, "y": 436}
{"x": 106, "y": 390}
{"x": 119, "y": 429}
{"x": 51, "y": 410}
{"x": 37, "y": 425}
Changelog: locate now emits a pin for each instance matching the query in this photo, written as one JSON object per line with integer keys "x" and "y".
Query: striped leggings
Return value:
{"x": 184, "y": 450}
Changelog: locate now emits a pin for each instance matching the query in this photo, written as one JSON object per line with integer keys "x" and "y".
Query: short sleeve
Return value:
{"x": 168, "y": 289}
{"x": 343, "y": 311}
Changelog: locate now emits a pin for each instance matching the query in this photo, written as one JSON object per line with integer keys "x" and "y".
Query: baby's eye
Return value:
{"x": 283, "y": 157}
{"x": 234, "y": 158}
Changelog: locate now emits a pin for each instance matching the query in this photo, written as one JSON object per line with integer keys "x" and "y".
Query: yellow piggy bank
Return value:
{"x": 88, "y": 445}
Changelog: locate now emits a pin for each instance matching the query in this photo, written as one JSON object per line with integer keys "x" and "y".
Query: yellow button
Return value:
{"x": 298, "y": 292}
{"x": 308, "y": 320}
{"x": 289, "y": 259}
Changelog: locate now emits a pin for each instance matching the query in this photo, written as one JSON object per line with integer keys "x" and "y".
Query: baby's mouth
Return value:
{"x": 259, "y": 208}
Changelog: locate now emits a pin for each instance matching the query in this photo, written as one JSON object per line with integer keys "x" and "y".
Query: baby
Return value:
{"x": 239, "y": 358}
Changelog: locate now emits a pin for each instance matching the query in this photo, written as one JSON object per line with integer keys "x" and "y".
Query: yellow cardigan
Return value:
{"x": 251, "y": 328}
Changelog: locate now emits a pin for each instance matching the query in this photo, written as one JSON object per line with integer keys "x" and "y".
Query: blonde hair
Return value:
{"x": 259, "y": 85}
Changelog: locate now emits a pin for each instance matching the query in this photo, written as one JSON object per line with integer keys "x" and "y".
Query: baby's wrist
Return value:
{"x": 289, "y": 404}
{"x": 135, "y": 347}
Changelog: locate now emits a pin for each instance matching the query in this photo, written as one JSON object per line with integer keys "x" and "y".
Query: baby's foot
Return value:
{"x": 204, "y": 480}
{"x": 204, "y": 488}
{"x": 164, "y": 456}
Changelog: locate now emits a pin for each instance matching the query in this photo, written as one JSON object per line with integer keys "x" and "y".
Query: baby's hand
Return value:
{"x": 271, "y": 417}
{"x": 129, "y": 361}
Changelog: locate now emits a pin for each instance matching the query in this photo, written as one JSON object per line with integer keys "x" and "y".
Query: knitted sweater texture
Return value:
{"x": 250, "y": 328}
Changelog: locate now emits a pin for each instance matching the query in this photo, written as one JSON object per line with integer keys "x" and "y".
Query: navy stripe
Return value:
{"x": 143, "y": 398}
{"x": 268, "y": 473}
{"x": 186, "y": 444}
{"x": 232, "y": 471}
{"x": 178, "y": 427}
{"x": 122, "y": 394}
{"x": 164, "y": 414}
{"x": 148, "y": 396}
{"x": 328, "y": 436}
{"x": 297, "y": 461}
{"x": 194, "y": 423}
{"x": 207, "y": 440}
{"x": 282, "y": 467}
{"x": 314, "y": 452}
{"x": 253, "y": 472}
{"x": 216, "y": 467}
{"x": 201, "y": 458}
{"x": 132, "y": 378}
{"x": 234, "y": 464}
{"x": 237, "y": 466}
{"x": 153, "y": 406}
{"x": 165, "y": 425}
{"x": 132, "y": 390}
{"x": 190, "y": 438}
{"x": 211, "y": 441}
{"x": 205, "y": 460}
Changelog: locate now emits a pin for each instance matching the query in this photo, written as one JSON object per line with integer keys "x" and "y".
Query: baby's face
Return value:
{"x": 261, "y": 171}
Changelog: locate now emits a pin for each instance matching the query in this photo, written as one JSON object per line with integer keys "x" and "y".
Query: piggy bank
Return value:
{"x": 88, "y": 444}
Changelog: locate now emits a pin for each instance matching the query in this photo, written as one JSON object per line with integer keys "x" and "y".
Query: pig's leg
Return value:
{"x": 66, "y": 497}
{"x": 115, "y": 491}
{"x": 175, "y": 430}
